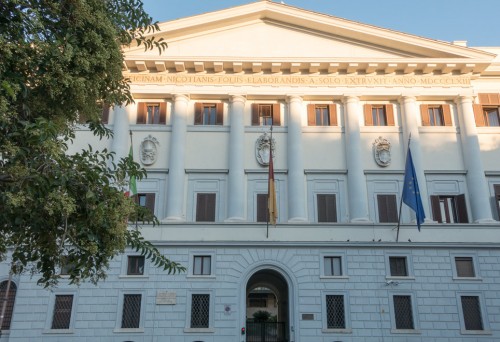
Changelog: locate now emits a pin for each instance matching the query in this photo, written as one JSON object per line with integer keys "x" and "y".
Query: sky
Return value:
{"x": 476, "y": 21}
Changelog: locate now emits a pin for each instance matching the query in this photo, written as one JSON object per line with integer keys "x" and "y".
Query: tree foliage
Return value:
{"x": 61, "y": 60}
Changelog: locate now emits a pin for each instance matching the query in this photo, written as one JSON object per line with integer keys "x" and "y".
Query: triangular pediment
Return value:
{"x": 268, "y": 32}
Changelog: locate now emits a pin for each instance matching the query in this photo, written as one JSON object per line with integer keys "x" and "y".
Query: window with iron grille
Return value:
{"x": 9, "y": 308}
{"x": 200, "y": 310}
{"x": 135, "y": 265}
{"x": 335, "y": 312}
{"x": 202, "y": 265}
{"x": 471, "y": 311}
{"x": 465, "y": 267}
{"x": 131, "y": 314}
{"x": 403, "y": 313}
{"x": 332, "y": 266}
{"x": 61, "y": 317}
{"x": 398, "y": 266}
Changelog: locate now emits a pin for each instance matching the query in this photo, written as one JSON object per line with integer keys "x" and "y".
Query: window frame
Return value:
{"x": 475, "y": 265}
{"x": 275, "y": 114}
{"x": 189, "y": 304}
{"x": 482, "y": 310}
{"x": 460, "y": 213}
{"x": 9, "y": 309}
{"x": 496, "y": 198}
{"x": 347, "y": 313}
{"x": 197, "y": 253}
{"x": 207, "y": 204}
{"x": 119, "y": 315}
{"x": 387, "y": 110}
{"x": 51, "y": 311}
{"x": 379, "y": 211}
{"x": 409, "y": 266}
{"x": 343, "y": 265}
{"x": 143, "y": 117}
{"x": 333, "y": 214}
{"x": 200, "y": 114}
{"x": 264, "y": 198}
{"x": 329, "y": 117}
{"x": 414, "y": 311}
{"x": 138, "y": 257}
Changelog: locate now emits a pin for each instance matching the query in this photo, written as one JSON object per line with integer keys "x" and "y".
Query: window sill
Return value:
{"x": 399, "y": 278}
{"x": 405, "y": 331}
{"x": 323, "y": 277}
{"x": 130, "y": 276}
{"x": 380, "y": 129}
{"x": 199, "y": 330}
{"x": 322, "y": 129}
{"x": 437, "y": 129}
{"x": 58, "y": 331}
{"x": 128, "y": 330}
{"x": 193, "y": 276}
{"x": 488, "y": 130}
{"x": 207, "y": 128}
{"x": 467, "y": 279}
{"x": 475, "y": 332}
{"x": 337, "y": 331}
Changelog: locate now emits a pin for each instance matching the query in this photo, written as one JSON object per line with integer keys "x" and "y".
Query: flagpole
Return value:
{"x": 401, "y": 200}
{"x": 269, "y": 181}
{"x": 132, "y": 146}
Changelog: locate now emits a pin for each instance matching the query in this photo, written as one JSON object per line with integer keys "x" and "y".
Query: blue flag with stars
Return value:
{"x": 411, "y": 192}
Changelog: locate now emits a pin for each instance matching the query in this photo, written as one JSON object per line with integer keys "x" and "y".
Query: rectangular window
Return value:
{"x": 321, "y": 115}
{"x": 332, "y": 266}
{"x": 496, "y": 188}
{"x": 151, "y": 113}
{"x": 257, "y": 302}
{"x": 465, "y": 267}
{"x": 435, "y": 115}
{"x": 327, "y": 208}
{"x": 398, "y": 266}
{"x": 200, "y": 310}
{"x": 9, "y": 306}
{"x": 208, "y": 114}
{"x": 146, "y": 200}
{"x": 403, "y": 312}
{"x": 379, "y": 115}
{"x": 135, "y": 265}
{"x": 335, "y": 312}
{"x": 131, "y": 314}
{"x": 202, "y": 265}
{"x": 266, "y": 114}
{"x": 262, "y": 210}
{"x": 491, "y": 116}
{"x": 471, "y": 311}
{"x": 205, "y": 207}
{"x": 387, "y": 208}
{"x": 61, "y": 317}
{"x": 449, "y": 209}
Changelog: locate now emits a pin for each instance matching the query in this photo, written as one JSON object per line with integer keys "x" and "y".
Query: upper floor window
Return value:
{"x": 435, "y": 115}
{"x": 496, "y": 187}
{"x": 266, "y": 114}
{"x": 262, "y": 208}
{"x": 379, "y": 115}
{"x": 135, "y": 265}
{"x": 205, "y": 207}
{"x": 398, "y": 266}
{"x": 151, "y": 113}
{"x": 9, "y": 306}
{"x": 332, "y": 266}
{"x": 208, "y": 113}
{"x": 387, "y": 208}
{"x": 327, "y": 208}
{"x": 465, "y": 267}
{"x": 449, "y": 209}
{"x": 146, "y": 200}
{"x": 202, "y": 265}
{"x": 487, "y": 113}
{"x": 321, "y": 115}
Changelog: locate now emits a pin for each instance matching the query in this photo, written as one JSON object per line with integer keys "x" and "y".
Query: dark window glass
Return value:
{"x": 465, "y": 266}
{"x": 335, "y": 313}
{"x": 398, "y": 266}
{"x": 202, "y": 265}
{"x": 200, "y": 309}
{"x": 333, "y": 266}
{"x": 9, "y": 308}
{"x": 322, "y": 115}
{"x": 131, "y": 314}
{"x": 262, "y": 211}
{"x": 403, "y": 312}
{"x": 61, "y": 317}
{"x": 491, "y": 117}
{"x": 205, "y": 207}
{"x": 135, "y": 265}
{"x": 387, "y": 208}
{"x": 379, "y": 116}
{"x": 436, "y": 116}
{"x": 327, "y": 210}
{"x": 472, "y": 313}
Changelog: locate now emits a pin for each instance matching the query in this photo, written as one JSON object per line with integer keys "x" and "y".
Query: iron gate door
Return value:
{"x": 266, "y": 332}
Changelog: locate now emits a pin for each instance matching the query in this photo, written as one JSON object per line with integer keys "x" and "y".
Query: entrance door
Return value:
{"x": 267, "y": 309}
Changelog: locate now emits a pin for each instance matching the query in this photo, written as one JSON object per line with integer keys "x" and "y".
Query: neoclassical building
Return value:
{"x": 345, "y": 101}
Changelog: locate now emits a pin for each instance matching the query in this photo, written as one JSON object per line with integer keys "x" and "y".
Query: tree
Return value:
{"x": 61, "y": 61}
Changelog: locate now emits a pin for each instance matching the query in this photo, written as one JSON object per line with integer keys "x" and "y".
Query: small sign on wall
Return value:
{"x": 166, "y": 298}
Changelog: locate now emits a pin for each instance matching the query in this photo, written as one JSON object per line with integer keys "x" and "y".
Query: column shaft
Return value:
{"x": 121, "y": 132}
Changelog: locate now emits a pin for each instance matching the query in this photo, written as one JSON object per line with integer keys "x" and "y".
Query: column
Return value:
{"x": 236, "y": 178}
{"x": 121, "y": 131}
{"x": 356, "y": 180}
{"x": 176, "y": 171}
{"x": 411, "y": 114}
{"x": 296, "y": 186}
{"x": 476, "y": 181}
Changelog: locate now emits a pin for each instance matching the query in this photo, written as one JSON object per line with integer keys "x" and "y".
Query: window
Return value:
{"x": 151, "y": 113}
{"x": 66, "y": 265}
{"x": 200, "y": 311}
{"x": 61, "y": 317}
{"x": 131, "y": 314}
{"x": 332, "y": 266}
{"x": 449, "y": 209}
{"x": 321, "y": 115}
{"x": 496, "y": 188}
{"x": 387, "y": 208}
{"x": 398, "y": 266}
{"x": 403, "y": 312}
{"x": 487, "y": 113}
{"x": 257, "y": 302}
{"x": 379, "y": 115}
{"x": 9, "y": 308}
{"x": 471, "y": 311}
{"x": 465, "y": 267}
{"x": 105, "y": 114}
{"x": 202, "y": 265}
{"x": 262, "y": 209}
{"x": 435, "y": 115}
{"x": 205, "y": 207}
{"x": 266, "y": 114}
{"x": 335, "y": 312}
{"x": 146, "y": 200}
{"x": 208, "y": 113}
{"x": 327, "y": 208}
{"x": 135, "y": 265}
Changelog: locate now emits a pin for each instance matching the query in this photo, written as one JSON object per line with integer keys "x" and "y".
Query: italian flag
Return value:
{"x": 132, "y": 184}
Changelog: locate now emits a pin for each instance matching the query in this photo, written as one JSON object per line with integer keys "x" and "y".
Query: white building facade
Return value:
{"x": 345, "y": 100}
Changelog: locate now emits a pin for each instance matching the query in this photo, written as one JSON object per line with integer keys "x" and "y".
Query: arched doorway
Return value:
{"x": 267, "y": 307}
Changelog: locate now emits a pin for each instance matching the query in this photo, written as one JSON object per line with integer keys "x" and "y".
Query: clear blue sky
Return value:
{"x": 477, "y": 21}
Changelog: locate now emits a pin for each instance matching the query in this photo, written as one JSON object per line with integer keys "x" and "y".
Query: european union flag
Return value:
{"x": 411, "y": 192}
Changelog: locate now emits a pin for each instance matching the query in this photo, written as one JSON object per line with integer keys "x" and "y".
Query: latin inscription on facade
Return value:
{"x": 166, "y": 298}
{"x": 312, "y": 80}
